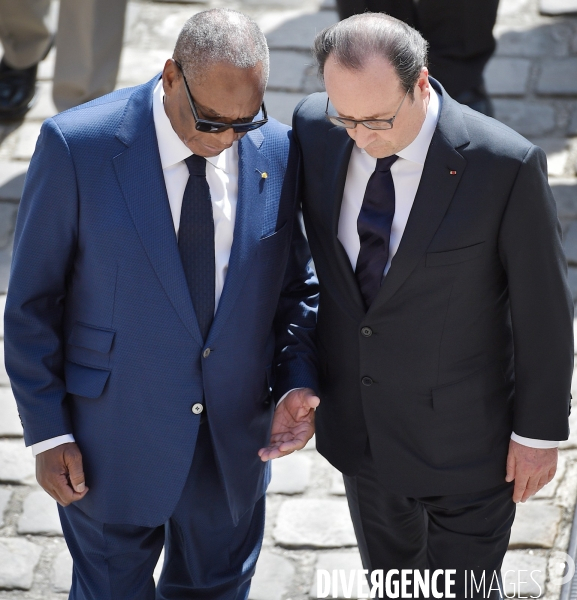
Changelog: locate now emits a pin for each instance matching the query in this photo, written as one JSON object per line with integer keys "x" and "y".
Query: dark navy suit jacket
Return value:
{"x": 100, "y": 331}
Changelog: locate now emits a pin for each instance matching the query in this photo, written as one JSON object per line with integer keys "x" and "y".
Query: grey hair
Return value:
{"x": 361, "y": 37}
{"x": 221, "y": 35}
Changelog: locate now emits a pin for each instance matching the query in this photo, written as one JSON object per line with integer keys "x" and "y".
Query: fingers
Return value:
{"x": 520, "y": 487}
{"x": 511, "y": 463}
{"x": 58, "y": 470}
{"x": 73, "y": 460}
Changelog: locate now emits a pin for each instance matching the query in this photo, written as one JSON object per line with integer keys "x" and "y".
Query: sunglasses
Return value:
{"x": 214, "y": 126}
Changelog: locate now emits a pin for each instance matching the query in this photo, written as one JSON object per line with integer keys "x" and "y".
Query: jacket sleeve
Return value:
{"x": 295, "y": 320}
{"x": 44, "y": 247}
{"x": 540, "y": 302}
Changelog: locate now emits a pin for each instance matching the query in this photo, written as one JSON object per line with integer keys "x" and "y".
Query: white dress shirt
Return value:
{"x": 222, "y": 178}
{"x": 406, "y": 172}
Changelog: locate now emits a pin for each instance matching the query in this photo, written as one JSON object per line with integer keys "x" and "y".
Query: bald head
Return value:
{"x": 221, "y": 35}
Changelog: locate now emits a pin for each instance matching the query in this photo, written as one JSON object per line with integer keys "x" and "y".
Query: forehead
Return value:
{"x": 373, "y": 90}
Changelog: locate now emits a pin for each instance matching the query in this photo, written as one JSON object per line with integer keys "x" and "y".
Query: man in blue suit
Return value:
{"x": 160, "y": 300}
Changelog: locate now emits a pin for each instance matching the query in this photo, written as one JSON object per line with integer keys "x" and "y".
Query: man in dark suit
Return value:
{"x": 445, "y": 321}
{"x": 156, "y": 307}
{"x": 460, "y": 35}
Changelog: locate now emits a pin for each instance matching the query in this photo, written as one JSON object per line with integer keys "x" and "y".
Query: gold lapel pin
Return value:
{"x": 263, "y": 174}
{"x": 452, "y": 172}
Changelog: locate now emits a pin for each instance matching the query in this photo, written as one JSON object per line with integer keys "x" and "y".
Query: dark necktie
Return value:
{"x": 374, "y": 227}
{"x": 196, "y": 242}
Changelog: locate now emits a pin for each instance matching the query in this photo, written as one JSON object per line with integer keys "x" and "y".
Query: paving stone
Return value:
{"x": 5, "y": 262}
{"x": 39, "y": 515}
{"x": 573, "y": 124}
{"x": 290, "y": 474}
{"x": 572, "y": 280}
{"x": 300, "y": 31}
{"x": 139, "y": 66}
{"x": 329, "y": 4}
{"x": 337, "y": 484}
{"x": 558, "y": 77}
{"x": 44, "y": 105}
{"x": 346, "y": 562}
{"x": 10, "y": 425}
{"x": 273, "y": 577}
{"x": 527, "y": 118}
{"x": 307, "y": 523}
{"x": 46, "y": 67}
{"x": 507, "y": 76}
{"x": 565, "y": 194}
{"x": 281, "y": 105}
{"x": 557, "y": 151}
{"x": 8, "y": 212}
{"x": 2, "y": 309}
{"x": 557, "y": 7}
{"x": 523, "y": 574}
{"x": 158, "y": 568}
{"x": 570, "y": 243}
{"x": 18, "y": 559}
{"x": 61, "y": 575}
{"x": 17, "y": 465}
{"x": 287, "y": 69}
{"x": 535, "y": 526}
{"x": 3, "y": 375}
{"x": 27, "y": 136}
{"x": 530, "y": 41}
{"x": 5, "y": 496}
{"x": 512, "y": 7}
{"x": 12, "y": 175}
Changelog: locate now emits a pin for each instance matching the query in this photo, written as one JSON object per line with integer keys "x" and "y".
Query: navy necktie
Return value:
{"x": 196, "y": 242}
{"x": 374, "y": 227}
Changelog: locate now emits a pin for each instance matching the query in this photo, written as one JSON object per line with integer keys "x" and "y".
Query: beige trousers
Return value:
{"x": 88, "y": 42}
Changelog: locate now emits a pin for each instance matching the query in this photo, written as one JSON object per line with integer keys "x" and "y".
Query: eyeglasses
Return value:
{"x": 214, "y": 126}
{"x": 368, "y": 123}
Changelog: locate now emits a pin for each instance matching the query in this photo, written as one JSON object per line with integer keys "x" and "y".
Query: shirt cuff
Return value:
{"x": 285, "y": 395}
{"x": 51, "y": 443}
{"x": 531, "y": 443}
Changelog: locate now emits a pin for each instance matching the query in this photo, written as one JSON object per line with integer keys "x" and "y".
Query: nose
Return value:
{"x": 227, "y": 137}
{"x": 363, "y": 137}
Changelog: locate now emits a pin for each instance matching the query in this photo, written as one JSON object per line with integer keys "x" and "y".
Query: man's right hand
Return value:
{"x": 59, "y": 471}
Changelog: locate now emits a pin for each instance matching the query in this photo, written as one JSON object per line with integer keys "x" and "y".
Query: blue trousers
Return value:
{"x": 206, "y": 556}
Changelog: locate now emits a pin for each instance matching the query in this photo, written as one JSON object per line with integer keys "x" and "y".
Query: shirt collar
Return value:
{"x": 172, "y": 149}
{"x": 417, "y": 150}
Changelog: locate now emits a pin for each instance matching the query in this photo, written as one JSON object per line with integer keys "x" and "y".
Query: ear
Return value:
{"x": 170, "y": 75}
{"x": 423, "y": 83}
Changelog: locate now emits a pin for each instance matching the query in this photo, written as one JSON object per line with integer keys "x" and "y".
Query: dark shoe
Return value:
{"x": 17, "y": 91}
{"x": 477, "y": 99}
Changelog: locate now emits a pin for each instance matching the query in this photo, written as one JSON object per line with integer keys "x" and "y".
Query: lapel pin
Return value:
{"x": 452, "y": 172}
{"x": 263, "y": 174}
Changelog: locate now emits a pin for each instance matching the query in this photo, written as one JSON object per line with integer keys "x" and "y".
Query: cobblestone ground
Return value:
{"x": 533, "y": 79}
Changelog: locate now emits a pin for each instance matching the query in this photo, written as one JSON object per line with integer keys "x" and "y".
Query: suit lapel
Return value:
{"x": 434, "y": 195}
{"x": 339, "y": 146}
{"x": 251, "y": 203}
{"x": 140, "y": 176}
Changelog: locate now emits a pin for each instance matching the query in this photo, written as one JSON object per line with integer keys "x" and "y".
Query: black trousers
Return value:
{"x": 466, "y": 532}
{"x": 460, "y": 34}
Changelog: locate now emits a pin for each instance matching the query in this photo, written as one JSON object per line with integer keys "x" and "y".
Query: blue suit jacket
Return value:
{"x": 100, "y": 332}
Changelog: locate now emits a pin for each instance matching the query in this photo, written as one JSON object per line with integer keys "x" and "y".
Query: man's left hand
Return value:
{"x": 531, "y": 468}
{"x": 293, "y": 424}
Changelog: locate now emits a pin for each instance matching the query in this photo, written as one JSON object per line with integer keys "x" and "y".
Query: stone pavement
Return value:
{"x": 533, "y": 79}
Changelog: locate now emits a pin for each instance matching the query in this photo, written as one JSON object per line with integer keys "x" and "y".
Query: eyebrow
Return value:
{"x": 209, "y": 112}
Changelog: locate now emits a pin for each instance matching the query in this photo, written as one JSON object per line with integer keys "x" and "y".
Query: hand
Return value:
{"x": 293, "y": 424}
{"x": 59, "y": 471}
{"x": 531, "y": 468}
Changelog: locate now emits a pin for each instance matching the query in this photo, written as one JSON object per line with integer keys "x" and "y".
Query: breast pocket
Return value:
{"x": 456, "y": 256}
{"x": 87, "y": 366}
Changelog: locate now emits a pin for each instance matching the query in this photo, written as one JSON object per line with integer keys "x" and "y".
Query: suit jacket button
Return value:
{"x": 197, "y": 408}
{"x": 367, "y": 331}
{"x": 367, "y": 381}
{"x": 206, "y": 353}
